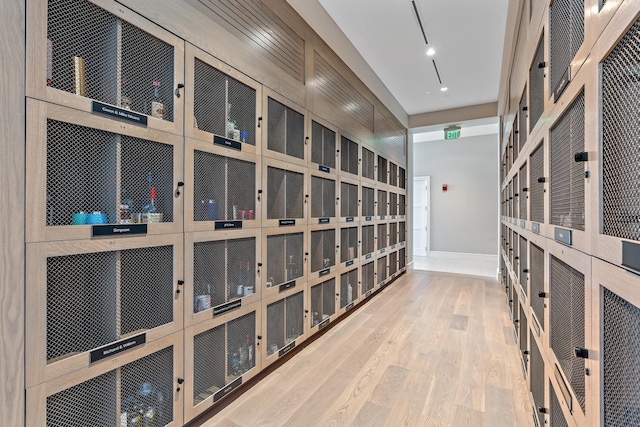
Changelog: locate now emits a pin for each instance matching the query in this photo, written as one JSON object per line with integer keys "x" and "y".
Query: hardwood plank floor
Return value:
{"x": 432, "y": 349}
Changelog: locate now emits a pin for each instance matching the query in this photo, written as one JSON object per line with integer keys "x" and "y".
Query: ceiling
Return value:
{"x": 467, "y": 36}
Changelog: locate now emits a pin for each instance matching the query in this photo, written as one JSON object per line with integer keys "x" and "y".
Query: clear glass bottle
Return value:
{"x": 125, "y": 101}
{"x": 157, "y": 106}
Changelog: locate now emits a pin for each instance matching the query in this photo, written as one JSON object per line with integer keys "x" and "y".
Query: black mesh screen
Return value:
{"x": 621, "y": 339}
{"x": 522, "y": 253}
{"x": 536, "y": 85}
{"x": 323, "y": 145}
{"x": 620, "y": 135}
{"x": 537, "y": 282}
{"x": 523, "y": 191}
{"x": 536, "y": 190}
{"x": 536, "y": 386}
{"x": 566, "y": 36}
{"x": 567, "y": 323}
{"x": 286, "y": 130}
{"x": 567, "y": 176}
{"x": 556, "y": 415}
{"x": 523, "y": 126}
{"x": 348, "y": 156}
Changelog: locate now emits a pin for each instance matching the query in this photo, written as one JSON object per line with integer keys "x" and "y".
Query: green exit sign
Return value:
{"x": 451, "y": 134}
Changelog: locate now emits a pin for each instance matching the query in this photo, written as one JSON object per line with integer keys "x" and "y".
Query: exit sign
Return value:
{"x": 452, "y": 132}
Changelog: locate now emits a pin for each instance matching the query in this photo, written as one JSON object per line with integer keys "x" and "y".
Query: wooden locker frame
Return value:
{"x": 357, "y": 286}
{"x": 348, "y": 219}
{"x": 275, "y": 222}
{"x": 300, "y": 282}
{"x": 312, "y": 330}
{"x": 312, "y": 275}
{"x": 271, "y": 154}
{"x": 36, "y": 151}
{"x": 191, "y": 53}
{"x": 316, "y": 168}
{"x": 349, "y": 264}
{"x": 319, "y": 174}
{"x": 36, "y": 63}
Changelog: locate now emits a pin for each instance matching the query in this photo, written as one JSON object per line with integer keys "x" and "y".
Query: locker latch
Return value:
{"x": 180, "y": 283}
{"x": 582, "y": 353}
{"x": 542, "y": 409}
{"x": 180, "y": 184}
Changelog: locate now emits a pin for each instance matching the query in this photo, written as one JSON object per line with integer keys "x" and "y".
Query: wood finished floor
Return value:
{"x": 432, "y": 349}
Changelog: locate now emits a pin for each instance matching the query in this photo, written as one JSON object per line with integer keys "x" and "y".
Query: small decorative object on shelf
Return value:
{"x": 143, "y": 408}
{"x": 79, "y": 76}
{"x": 291, "y": 269}
{"x": 157, "y": 106}
{"x": 202, "y": 302}
{"x": 125, "y": 101}
{"x": 149, "y": 212}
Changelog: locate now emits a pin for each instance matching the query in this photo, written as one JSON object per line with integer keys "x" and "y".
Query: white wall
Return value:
{"x": 464, "y": 218}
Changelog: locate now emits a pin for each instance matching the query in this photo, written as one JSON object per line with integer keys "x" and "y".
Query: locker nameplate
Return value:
{"x": 563, "y": 388}
{"x": 324, "y": 168}
{"x": 349, "y": 307}
{"x": 349, "y": 219}
{"x": 285, "y": 286}
{"x": 324, "y": 220}
{"x": 535, "y": 228}
{"x": 393, "y": 246}
{"x": 564, "y": 81}
{"x": 325, "y": 271}
{"x": 224, "y": 225}
{"x": 118, "y": 113}
{"x": 401, "y": 216}
{"x": 367, "y": 294}
{"x": 367, "y": 218}
{"x": 382, "y": 217}
{"x": 522, "y": 223}
{"x": 382, "y": 250}
{"x": 284, "y": 350}
{"x": 223, "y": 308}
{"x": 562, "y": 235}
{"x": 118, "y": 230}
{"x": 631, "y": 255}
{"x": 227, "y": 389}
{"x": 401, "y": 243}
{"x": 116, "y": 348}
{"x": 324, "y": 323}
{"x": 348, "y": 263}
{"x": 285, "y": 222}
{"x": 368, "y": 256}
{"x": 225, "y": 142}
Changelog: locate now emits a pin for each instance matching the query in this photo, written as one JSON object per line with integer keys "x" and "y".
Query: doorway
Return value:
{"x": 421, "y": 215}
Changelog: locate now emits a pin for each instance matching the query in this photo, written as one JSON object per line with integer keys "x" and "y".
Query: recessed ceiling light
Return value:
{"x": 431, "y": 52}
{"x": 443, "y": 89}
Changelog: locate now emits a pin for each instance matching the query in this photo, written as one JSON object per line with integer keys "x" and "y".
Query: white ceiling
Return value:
{"x": 468, "y": 36}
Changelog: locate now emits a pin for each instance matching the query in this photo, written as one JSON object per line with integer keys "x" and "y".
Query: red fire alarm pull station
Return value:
{"x": 444, "y": 187}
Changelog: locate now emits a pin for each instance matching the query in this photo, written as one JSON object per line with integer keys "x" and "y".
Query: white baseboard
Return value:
{"x": 462, "y": 256}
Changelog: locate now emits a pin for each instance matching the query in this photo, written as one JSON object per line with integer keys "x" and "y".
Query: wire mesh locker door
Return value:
{"x": 348, "y": 244}
{"x": 323, "y": 250}
{"x": 556, "y": 416}
{"x": 393, "y": 263}
{"x": 285, "y": 194}
{"x": 393, "y": 234}
{"x": 98, "y": 55}
{"x": 222, "y": 105}
{"x": 348, "y": 288}
{"x": 536, "y": 163}
{"x": 393, "y": 174}
{"x": 402, "y": 232}
{"x": 536, "y": 85}
{"x": 537, "y": 379}
{"x": 222, "y": 355}
{"x": 567, "y": 323}
{"x": 381, "y": 270}
{"x": 368, "y": 240}
{"x": 567, "y": 171}
{"x": 368, "y": 203}
{"x": 323, "y": 198}
{"x": 115, "y": 178}
{"x": 523, "y": 335}
{"x": 516, "y": 196}
{"x": 620, "y": 130}
{"x": 323, "y": 302}
{"x": 523, "y": 125}
{"x": 402, "y": 205}
{"x": 285, "y": 130}
{"x": 566, "y": 34}
{"x": 402, "y": 261}
{"x": 140, "y": 391}
{"x": 382, "y": 169}
{"x": 393, "y": 204}
{"x": 349, "y": 160}
{"x": 348, "y": 201}
{"x": 98, "y": 298}
{"x": 402, "y": 178}
{"x": 223, "y": 271}
{"x": 524, "y": 192}
{"x": 285, "y": 323}
{"x": 368, "y": 278}
{"x": 382, "y": 237}
{"x": 382, "y": 203}
{"x": 538, "y": 294}
{"x": 285, "y": 258}
{"x": 323, "y": 146}
{"x": 216, "y": 193}
{"x": 368, "y": 164}
{"x": 524, "y": 265}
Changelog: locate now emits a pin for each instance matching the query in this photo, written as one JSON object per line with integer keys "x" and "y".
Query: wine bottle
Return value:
{"x": 157, "y": 106}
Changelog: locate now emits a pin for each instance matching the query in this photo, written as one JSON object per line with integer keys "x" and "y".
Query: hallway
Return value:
{"x": 432, "y": 349}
